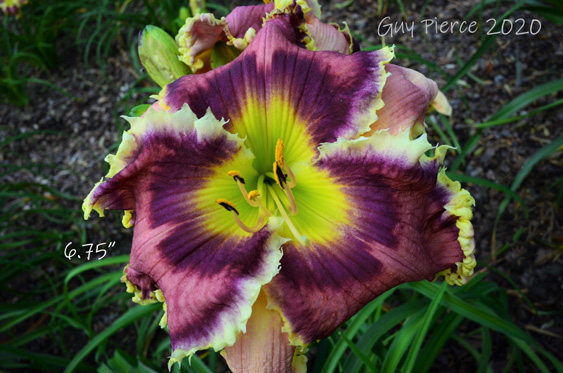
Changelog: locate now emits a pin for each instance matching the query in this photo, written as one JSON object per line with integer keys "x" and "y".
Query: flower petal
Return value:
{"x": 441, "y": 104}
{"x": 406, "y": 95}
{"x": 209, "y": 271}
{"x": 244, "y": 18}
{"x": 197, "y": 38}
{"x": 401, "y": 222}
{"x": 264, "y": 347}
{"x": 276, "y": 89}
{"x": 327, "y": 36}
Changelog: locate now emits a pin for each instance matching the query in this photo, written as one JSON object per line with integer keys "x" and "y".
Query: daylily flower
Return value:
{"x": 12, "y": 7}
{"x": 206, "y": 42}
{"x": 263, "y": 218}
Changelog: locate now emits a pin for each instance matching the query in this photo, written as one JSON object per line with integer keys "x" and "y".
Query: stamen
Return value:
{"x": 280, "y": 176}
{"x": 279, "y": 153}
{"x": 293, "y": 183}
{"x": 292, "y": 205}
{"x": 236, "y": 175}
{"x": 254, "y": 195}
{"x": 302, "y": 240}
{"x": 259, "y": 224}
{"x": 281, "y": 164}
{"x": 240, "y": 182}
{"x": 229, "y": 206}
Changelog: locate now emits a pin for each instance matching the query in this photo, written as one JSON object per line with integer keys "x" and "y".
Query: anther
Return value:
{"x": 240, "y": 182}
{"x": 254, "y": 195}
{"x": 281, "y": 164}
{"x": 279, "y": 153}
{"x": 236, "y": 175}
{"x": 228, "y": 205}
{"x": 281, "y": 178}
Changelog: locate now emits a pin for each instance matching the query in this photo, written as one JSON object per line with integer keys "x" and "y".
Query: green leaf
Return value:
{"x": 541, "y": 154}
{"x": 413, "y": 353}
{"x": 382, "y": 326}
{"x": 488, "y": 184}
{"x": 527, "y": 98}
{"x": 485, "y": 45}
{"x": 353, "y": 327}
{"x": 437, "y": 340}
{"x": 402, "y": 341}
{"x": 137, "y": 111}
{"x": 486, "y": 351}
{"x": 127, "y": 318}
{"x": 498, "y": 122}
{"x": 476, "y": 312}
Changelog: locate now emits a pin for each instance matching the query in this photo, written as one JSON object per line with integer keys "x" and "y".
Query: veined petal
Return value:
{"x": 243, "y": 19}
{"x": 328, "y": 36}
{"x": 399, "y": 222}
{"x": 276, "y": 89}
{"x": 264, "y": 347}
{"x": 406, "y": 95}
{"x": 314, "y": 34}
{"x": 199, "y": 35}
{"x": 209, "y": 271}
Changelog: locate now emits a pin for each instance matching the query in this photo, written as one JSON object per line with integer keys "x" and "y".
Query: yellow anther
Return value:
{"x": 283, "y": 167}
{"x": 253, "y": 194}
{"x": 236, "y": 175}
{"x": 279, "y": 154}
{"x": 228, "y": 205}
{"x": 254, "y": 197}
{"x": 279, "y": 175}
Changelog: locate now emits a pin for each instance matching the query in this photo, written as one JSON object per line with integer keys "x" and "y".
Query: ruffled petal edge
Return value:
{"x": 228, "y": 336}
{"x": 460, "y": 204}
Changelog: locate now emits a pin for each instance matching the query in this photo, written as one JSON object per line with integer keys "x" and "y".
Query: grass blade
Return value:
{"x": 413, "y": 353}
{"x": 541, "y": 154}
{"x": 127, "y": 318}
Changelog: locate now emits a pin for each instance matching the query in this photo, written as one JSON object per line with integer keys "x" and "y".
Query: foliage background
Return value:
{"x": 69, "y": 69}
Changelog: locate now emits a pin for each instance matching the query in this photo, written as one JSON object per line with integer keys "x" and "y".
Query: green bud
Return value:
{"x": 159, "y": 56}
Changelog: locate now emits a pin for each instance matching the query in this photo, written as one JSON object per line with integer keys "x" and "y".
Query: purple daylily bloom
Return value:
{"x": 326, "y": 208}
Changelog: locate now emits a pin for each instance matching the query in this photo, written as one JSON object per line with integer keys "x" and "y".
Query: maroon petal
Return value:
{"x": 404, "y": 221}
{"x": 407, "y": 94}
{"x": 208, "y": 270}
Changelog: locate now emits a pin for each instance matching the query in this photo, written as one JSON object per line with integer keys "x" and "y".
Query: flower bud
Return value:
{"x": 159, "y": 56}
